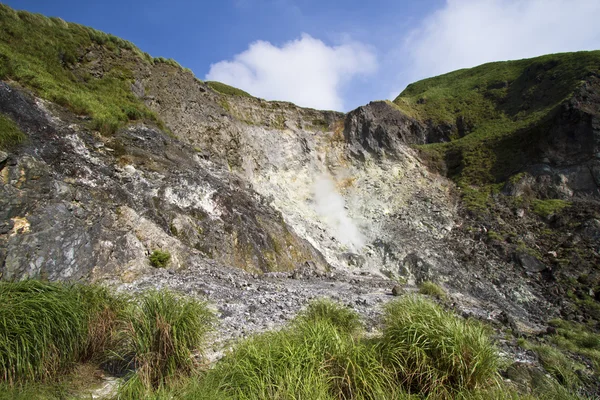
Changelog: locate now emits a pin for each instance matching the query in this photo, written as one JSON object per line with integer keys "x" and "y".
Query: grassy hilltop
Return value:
{"x": 497, "y": 112}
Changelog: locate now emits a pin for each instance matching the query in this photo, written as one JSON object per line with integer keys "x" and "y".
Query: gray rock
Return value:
{"x": 397, "y": 290}
{"x": 530, "y": 263}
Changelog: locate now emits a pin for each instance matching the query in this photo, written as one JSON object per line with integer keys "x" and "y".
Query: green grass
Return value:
{"x": 498, "y": 93}
{"x": 226, "y": 89}
{"x": 163, "y": 334}
{"x": 312, "y": 359}
{"x": 324, "y": 310}
{"x": 324, "y": 354}
{"x": 159, "y": 258}
{"x": 433, "y": 350}
{"x": 578, "y": 339}
{"x": 47, "y": 55}
{"x": 45, "y": 328}
{"x": 10, "y": 134}
{"x": 157, "y": 337}
{"x": 546, "y": 208}
{"x": 559, "y": 365}
{"x": 431, "y": 289}
{"x": 563, "y": 353}
{"x": 34, "y": 391}
{"x": 504, "y": 107}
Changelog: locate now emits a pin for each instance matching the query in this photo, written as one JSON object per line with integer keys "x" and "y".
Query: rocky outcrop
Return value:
{"x": 78, "y": 205}
{"x": 570, "y": 148}
{"x": 380, "y": 128}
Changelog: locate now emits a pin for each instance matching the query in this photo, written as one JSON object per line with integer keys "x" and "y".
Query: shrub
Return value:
{"x": 160, "y": 338}
{"x": 430, "y": 348}
{"x": 159, "y": 258}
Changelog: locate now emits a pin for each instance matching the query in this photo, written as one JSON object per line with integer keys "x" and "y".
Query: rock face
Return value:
{"x": 78, "y": 205}
{"x": 566, "y": 158}
{"x": 380, "y": 128}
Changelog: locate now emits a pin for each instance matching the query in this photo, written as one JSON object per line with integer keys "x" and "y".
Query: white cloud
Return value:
{"x": 466, "y": 33}
{"x": 305, "y": 71}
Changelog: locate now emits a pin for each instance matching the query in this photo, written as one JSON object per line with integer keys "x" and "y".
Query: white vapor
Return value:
{"x": 305, "y": 71}
{"x": 466, "y": 33}
{"x": 329, "y": 204}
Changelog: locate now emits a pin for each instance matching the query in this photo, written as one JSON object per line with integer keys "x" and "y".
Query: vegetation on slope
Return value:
{"x": 226, "y": 89}
{"x": 47, "y": 56}
{"x": 498, "y": 111}
{"x": 10, "y": 134}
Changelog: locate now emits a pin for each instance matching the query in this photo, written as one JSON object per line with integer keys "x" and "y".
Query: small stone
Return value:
{"x": 397, "y": 290}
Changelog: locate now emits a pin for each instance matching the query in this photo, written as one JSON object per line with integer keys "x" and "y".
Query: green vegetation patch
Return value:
{"x": 565, "y": 353}
{"x": 578, "y": 339}
{"x": 436, "y": 351}
{"x": 10, "y": 134}
{"x": 558, "y": 364}
{"x": 48, "y": 56}
{"x": 546, "y": 208}
{"x": 162, "y": 332}
{"x": 342, "y": 318}
{"x": 156, "y": 340}
{"x": 159, "y": 258}
{"x": 431, "y": 289}
{"x": 500, "y": 92}
{"x": 324, "y": 354}
{"x": 46, "y": 327}
{"x": 499, "y": 112}
{"x": 226, "y": 89}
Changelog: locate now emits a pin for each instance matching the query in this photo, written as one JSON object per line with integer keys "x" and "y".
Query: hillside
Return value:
{"x": 498, "y": 117}
{"x": 137, "y": 200}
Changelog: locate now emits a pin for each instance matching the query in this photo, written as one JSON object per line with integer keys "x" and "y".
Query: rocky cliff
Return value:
{"x": 263, "y": 205}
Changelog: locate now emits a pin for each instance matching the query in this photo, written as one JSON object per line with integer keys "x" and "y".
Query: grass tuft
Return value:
{"x": 163, "y": 335}
{"x": 45, "y": 327}
{"x": 324, "y": 310}
{"x": 432, "y": 349}
{"x": 546, "y": 208}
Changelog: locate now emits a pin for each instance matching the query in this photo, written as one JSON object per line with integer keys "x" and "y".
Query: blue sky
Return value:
{"x": 335, "y": 54}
